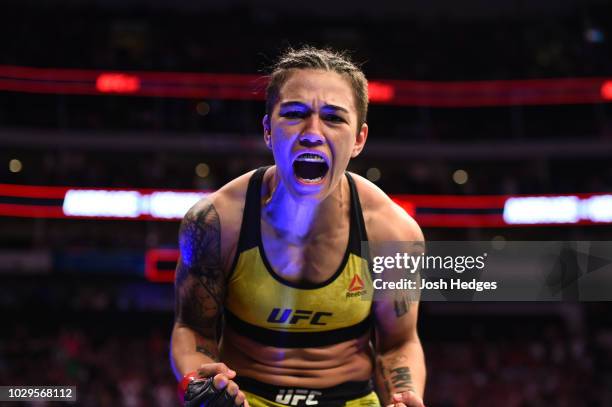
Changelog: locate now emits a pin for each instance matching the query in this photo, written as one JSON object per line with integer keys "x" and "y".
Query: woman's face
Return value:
{"x": 313, "y": 133}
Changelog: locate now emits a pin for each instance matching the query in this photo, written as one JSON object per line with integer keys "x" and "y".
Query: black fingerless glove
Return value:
{"x": 202, "y": 393}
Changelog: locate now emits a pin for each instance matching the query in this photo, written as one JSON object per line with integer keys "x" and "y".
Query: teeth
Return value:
{"x": 310, "y": 158}
{"x": 314, "y": 180}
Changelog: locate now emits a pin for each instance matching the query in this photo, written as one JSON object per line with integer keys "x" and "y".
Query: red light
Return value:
{"x": 380, "y": 92}
{"x": 249, "y": 87}
{"x": 606, "y": 90}
{"x": 154, "y": 270}
{"x": 117, "y": 83}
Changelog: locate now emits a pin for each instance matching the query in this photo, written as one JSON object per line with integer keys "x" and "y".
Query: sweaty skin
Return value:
{"x": 316, "y": 112}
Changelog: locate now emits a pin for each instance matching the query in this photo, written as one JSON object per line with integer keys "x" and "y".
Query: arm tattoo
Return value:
{"x": 400, "y": 307}
{"x": 399, "y": 378}
{"x": 199, "y": 275}
{"x": 208, "y": 353}
{"x": 383, "y": 375}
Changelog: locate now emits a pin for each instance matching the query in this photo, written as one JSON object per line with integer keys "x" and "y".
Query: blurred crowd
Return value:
{"x": 111, "y": 368}
{"x": 117, "y": 362}
{"x": 537, "y": 373}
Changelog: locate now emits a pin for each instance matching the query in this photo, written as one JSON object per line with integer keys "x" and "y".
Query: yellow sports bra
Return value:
{"x": 273, "y": 311}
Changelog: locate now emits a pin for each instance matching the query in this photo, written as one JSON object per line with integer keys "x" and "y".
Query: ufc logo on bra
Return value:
{"x": 295, "y": 316}
{"x": 295, "y": 397}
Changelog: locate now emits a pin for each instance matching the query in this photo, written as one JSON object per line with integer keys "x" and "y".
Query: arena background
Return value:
{"x": 471, "y": 103}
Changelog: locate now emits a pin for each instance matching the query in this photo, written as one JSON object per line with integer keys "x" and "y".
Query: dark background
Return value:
{"x": 106, "y": 329}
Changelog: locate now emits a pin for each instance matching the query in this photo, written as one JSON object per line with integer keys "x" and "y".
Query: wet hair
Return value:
{"x": 326, "y": 59}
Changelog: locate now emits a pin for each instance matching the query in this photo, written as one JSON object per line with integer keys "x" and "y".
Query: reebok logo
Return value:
{"x": 356, "y": 288}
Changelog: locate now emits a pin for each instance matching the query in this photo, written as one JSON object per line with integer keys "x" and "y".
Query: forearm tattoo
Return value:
{"x": 385, "y": 380}
{"x": 207, "y": 352}
{"x": 396, "y": 375}
{"x": 199, "y": 275}
{"x": 401, "y": 378}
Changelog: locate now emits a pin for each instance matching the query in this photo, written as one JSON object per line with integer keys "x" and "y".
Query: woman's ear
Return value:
{"x": 267, "y": 132}
{"x": 360, "y": 140}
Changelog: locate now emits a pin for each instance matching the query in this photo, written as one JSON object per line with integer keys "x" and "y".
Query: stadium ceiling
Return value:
{"x": 468, "y": 9}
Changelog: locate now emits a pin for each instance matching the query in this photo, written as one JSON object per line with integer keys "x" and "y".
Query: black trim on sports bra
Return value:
{"x": 304, "y": 339}
{"x": 250, "y": 236}
{"x": 357, "y": 221}
{"x": 247, "y": 237}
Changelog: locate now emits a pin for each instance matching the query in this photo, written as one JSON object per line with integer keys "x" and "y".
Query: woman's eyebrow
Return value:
{"x": 292, "y": 103}
{"x": 335, "y": 108}
{"x": 302, "y": 105}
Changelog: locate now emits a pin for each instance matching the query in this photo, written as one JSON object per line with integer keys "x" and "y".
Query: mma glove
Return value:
{"x": 201, "y": 392}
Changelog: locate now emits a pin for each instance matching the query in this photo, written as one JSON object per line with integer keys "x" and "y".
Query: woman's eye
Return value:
{"x": 294, "y": 114}
{"x": 333, "y": 118}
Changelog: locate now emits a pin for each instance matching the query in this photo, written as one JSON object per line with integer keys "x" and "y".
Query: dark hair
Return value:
{"x": 308, "y": 57}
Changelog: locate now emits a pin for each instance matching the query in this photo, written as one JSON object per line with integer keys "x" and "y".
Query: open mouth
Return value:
{"x": 310, "y": 168}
